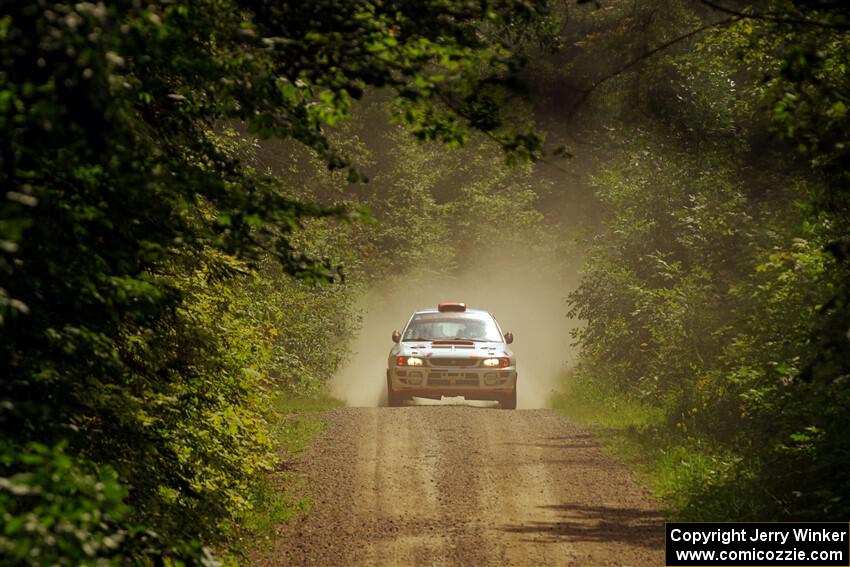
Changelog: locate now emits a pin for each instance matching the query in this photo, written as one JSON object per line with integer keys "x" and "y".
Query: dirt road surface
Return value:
{"x": 466, "y": 486}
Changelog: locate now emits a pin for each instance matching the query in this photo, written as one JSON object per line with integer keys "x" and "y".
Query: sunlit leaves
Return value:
{"x": 133, "y": 212}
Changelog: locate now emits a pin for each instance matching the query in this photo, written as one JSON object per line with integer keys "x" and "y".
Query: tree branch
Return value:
{"x": 645, "y": 56}
{"x": 775, "y": 17}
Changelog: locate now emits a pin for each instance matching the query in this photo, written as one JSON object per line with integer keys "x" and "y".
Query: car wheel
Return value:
{"x": 393, "y": 400}
{"x": 508, "y": 401}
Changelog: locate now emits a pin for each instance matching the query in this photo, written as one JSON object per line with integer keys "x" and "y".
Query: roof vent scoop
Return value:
{"x": 444, "y": 307}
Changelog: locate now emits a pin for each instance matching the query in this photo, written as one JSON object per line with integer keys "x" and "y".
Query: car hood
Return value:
{"x": 452, "y": 349}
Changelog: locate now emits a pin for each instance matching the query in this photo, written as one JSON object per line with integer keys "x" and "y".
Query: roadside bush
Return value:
{"x": 702, "y": 301}
{"x": 57, "y": 510}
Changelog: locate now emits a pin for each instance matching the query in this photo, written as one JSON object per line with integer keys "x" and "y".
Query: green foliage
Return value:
{"x": 147, "y": 308}
{"x": 57, "y": 510}
{"x": 717, "y": 289}
{"x": 702, "y": 301}
{"x": 712, "y": 298}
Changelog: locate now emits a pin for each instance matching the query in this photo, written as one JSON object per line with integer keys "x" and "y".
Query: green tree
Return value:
{"x": 124, "y": 356}
{"x": 716, "y": 289}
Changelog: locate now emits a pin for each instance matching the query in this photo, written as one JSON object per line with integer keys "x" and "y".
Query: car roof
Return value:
{"x": 468, "y": 310}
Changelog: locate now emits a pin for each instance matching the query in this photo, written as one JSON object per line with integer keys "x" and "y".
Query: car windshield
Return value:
{"x": 442, "y": 326}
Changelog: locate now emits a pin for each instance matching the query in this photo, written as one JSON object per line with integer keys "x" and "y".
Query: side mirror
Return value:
{"x": 396, "y": 336}
{"x": 509, "y": 338}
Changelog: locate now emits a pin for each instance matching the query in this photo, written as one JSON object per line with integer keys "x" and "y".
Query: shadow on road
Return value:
{"x": 603, "y": 524}
{"x": 577, "y": 441}
{"x": 587, "y": 445}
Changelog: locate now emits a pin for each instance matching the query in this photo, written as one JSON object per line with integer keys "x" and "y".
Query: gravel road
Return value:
{"x": 466, "y": 486}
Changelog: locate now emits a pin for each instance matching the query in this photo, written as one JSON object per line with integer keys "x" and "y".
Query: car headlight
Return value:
{"x": 409, "y": 361}
{"x": 496, "y": 362}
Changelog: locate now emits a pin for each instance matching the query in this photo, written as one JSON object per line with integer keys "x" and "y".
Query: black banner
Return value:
{"x": 758, "y": 544}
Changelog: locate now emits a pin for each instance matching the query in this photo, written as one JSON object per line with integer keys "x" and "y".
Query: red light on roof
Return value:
{"x": 443, "y": 307}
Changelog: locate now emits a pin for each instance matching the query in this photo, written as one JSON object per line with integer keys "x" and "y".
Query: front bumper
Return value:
{"x": 472, "y": 383}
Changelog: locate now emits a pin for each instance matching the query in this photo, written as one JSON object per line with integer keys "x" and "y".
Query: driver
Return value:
{"x": 473, "y": 330}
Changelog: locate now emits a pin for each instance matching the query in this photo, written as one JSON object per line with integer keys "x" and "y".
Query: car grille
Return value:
{"x": 454, "y": 362}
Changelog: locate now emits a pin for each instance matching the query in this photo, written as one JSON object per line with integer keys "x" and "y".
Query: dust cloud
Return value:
{"x": 526, "y": 299}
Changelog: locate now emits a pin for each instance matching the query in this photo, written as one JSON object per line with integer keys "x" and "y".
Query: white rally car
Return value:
{"x": 452, "y": 351}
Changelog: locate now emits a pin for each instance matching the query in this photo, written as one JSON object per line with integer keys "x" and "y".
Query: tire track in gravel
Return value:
{"x": 443, "y": 486}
